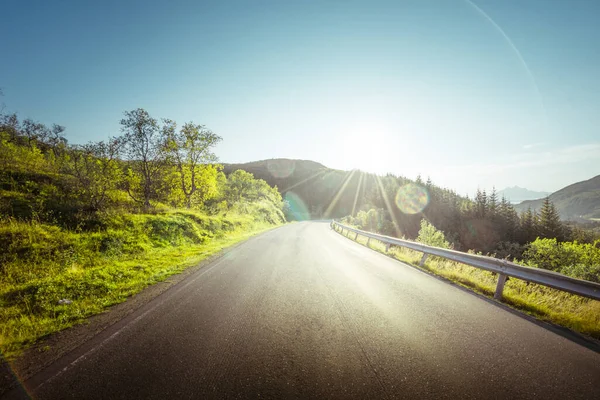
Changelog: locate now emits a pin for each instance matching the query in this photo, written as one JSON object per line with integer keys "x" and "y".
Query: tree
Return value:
{"x": 9, "y": 123}
{"x": 528, "y": 226}
{"x": 428, "y": 234}
{"x": 493, "y": 202}
{"x": 510, "y": 219}
{"x": 56, "y": 138}
{"x": 481, "y": 204}
{"x": 96, "y": 168}
{"x": 34, "y": 132}
{"x": 550, "y": 225}
{"x": 191, "y": 151}
{"x": 239, "y": 185}
{"x": 147, "y": 152}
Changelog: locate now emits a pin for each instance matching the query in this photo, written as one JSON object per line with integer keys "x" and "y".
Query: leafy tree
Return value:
{"x": 145, "y": 146}
{"x": 191, "y": 150}
{"x": 56, "y": 138}
{"x": 96, "y": 167}
{"x": 428, "y": 234}
{"x": 34, "y": 132}
{"x": 9, "y": 124}
{"x": 239, "y": 185}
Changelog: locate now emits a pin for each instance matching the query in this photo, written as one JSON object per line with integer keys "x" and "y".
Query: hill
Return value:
{"x": 579, "y": 201}
{"x": 309, "y": 187}
{"x": 82, "y": 227}
{"x": 518, "y": 194}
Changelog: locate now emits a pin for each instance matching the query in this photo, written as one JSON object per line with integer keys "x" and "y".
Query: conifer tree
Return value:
{"x": 493, "y": 202}
{"x": 481, "y": 203}
{"x": 550, "y": 225}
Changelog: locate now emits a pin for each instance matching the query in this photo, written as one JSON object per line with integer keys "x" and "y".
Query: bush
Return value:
{"x": 428, "y": 234}
{"x": 580, "y": 260}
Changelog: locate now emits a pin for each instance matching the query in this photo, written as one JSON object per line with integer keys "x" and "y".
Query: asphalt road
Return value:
{"x": 302, "y": 312}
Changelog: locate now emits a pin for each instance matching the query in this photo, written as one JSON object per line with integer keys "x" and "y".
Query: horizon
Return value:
{"x": 471, "y": 94}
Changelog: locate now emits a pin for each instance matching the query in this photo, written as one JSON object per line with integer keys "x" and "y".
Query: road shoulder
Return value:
{"x": 49, "y": 350}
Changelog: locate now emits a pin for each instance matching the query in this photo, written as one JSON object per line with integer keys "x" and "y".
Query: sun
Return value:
{"x": 365, "y": 149}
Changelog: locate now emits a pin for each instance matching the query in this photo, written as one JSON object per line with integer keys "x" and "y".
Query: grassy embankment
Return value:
{"x": 83, "y": 227}
{"x": 43, "y": 264}
{"x": 574, "y": 312}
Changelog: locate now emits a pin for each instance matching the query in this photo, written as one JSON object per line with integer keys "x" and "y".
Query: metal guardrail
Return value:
{"x": 503, "y": 268}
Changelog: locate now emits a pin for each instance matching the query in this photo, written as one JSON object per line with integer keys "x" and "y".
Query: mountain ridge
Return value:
{"x": 517, "y": 194}
{"x": 577, "y": 201}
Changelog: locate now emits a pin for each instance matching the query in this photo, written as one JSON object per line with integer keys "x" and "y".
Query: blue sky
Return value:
{"x": 473, "y": 94}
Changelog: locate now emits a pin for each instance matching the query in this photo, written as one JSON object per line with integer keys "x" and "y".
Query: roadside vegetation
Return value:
{"x": 83, "y": 227}
{"x": 579, "y": 260}
{"x": 548, "y": 242}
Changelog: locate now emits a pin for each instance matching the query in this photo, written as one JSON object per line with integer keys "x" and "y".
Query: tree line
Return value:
{"x": 152, "y": 163}
{"x": 485, "y": 223}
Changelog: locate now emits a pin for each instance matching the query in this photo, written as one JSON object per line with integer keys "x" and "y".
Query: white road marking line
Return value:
{"x": 117, "y": 333}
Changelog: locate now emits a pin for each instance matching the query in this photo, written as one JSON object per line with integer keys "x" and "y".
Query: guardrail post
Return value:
{"x": 500, "y": 286}
{"x": 423, "y": 259}
{"x": 368, "y": 241}
{"x": 356, "y": 236}
{"x": 387, "y": 247}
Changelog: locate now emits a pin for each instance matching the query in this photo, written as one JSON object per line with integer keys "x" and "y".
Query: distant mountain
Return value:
{"x": 579, "y": 201}
{"x": 518, "y": 194}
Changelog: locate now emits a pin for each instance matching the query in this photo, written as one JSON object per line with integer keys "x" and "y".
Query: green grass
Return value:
{"x": 42, "y": 264}
{"x": 574, "y": 312}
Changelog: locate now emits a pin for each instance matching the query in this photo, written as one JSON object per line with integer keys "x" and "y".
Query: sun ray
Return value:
{"x": 388, "y": 206}
{"x": 360, "y": 179}
{"x": 339, "y": 193}
{"x": 304, "y": 180}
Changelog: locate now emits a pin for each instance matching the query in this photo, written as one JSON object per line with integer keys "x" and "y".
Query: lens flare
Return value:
{"x": 297, "y": 210}
{"x": 281, "y": 168}
{"x": 412, "y": 198}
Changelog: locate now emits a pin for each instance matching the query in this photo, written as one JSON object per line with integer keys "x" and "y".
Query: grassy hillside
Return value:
{"x": 53, "y": 277}
{"x": 84, "y": 227}
{"x": 579, "y": 201}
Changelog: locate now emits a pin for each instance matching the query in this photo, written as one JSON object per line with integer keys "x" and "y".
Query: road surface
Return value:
{"x": 302, "y": 312}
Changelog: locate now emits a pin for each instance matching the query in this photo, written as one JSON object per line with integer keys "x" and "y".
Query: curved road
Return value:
{"x": 302, "y": 312}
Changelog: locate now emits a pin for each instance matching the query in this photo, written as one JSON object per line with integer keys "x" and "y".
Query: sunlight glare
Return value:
{"x": 412, "y": 198}
{"x": 297, "y": 207}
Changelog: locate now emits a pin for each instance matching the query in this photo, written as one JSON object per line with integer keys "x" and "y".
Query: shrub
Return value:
{"x": 428, "y": 234}
{"x": 580, "y": 260}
